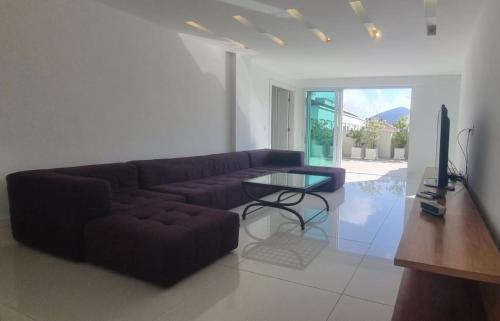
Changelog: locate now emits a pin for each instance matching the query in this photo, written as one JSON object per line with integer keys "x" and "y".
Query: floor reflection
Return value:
{"x": 285, "y": 247}
{"x": 348, "y": 250}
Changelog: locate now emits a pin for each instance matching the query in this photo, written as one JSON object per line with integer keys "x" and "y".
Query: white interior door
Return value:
{"x": 280, "y": 129}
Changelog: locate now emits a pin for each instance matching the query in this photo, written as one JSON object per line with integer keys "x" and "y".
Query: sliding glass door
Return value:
{"x": 322, "y": 110}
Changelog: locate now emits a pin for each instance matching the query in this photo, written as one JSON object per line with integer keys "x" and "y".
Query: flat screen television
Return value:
{"x": 443, "y": 142}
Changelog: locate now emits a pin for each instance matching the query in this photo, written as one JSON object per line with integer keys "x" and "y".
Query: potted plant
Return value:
{"x": 401, "y": 138}
{"x": 357, "y": 149}
{"x": 370, "y": 137}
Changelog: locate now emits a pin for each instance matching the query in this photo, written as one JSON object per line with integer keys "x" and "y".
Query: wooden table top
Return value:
{"x": 458, "y": 245}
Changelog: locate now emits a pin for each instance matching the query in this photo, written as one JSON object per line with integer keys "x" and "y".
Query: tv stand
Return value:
{"x": 452, "y": 265}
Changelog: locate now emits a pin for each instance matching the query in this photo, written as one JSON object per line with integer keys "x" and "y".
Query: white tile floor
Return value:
{"x": 339, "y": 269}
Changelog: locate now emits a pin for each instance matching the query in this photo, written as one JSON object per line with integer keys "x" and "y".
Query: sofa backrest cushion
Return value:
{"x": 165, "y": 171}
{"x": 259, "y": 157}
{"x": 275, "y": 157}
{"x": 120, "y": 176}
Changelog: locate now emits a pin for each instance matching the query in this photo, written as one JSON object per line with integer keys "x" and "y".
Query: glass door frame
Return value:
{"x": 338, "y": 131}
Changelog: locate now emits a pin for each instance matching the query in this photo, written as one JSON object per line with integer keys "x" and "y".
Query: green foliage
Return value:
{"x": 371, "y": 133}
{"x": 321, "y": 131}
{"x": 402, "y": 135}
{"x": 357, "y": 136}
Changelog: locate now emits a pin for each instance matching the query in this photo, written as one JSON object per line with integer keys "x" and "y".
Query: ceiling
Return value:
{"x": 405, "y": 48}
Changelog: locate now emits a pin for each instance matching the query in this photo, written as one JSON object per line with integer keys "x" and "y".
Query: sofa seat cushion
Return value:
{"x": 127, "y": 200}
{"x": 337, "y": 176}
{"x": 222, "y": 192}
{"x": 161, "y": 243}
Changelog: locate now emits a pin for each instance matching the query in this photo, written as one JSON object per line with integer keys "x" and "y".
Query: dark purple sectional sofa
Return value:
{"x": 158, "y": 220}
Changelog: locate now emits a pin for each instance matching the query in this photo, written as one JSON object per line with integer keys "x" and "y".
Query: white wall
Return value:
{"x": 84, "y": 83}
{"x": 480, "y": 107}
{"x": 429, "y": 92}
{"x": 253, "y": 103}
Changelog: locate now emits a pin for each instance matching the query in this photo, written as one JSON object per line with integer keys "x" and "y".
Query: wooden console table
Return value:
{"x": 452, "y": 264}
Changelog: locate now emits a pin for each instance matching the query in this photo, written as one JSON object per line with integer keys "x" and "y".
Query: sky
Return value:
{"x": 369, "y": 102}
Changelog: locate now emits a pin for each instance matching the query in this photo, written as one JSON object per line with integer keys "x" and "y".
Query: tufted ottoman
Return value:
{"x": 337, "y": 176}
{"x": 161, "y": 243}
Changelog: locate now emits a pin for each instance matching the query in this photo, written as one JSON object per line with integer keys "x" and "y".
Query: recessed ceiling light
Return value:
{"x": 257, "y": 6}
{"x": 237, "y": 43}
{"x": 297, "y": 15}
{"x": 360, "y": 11}
{"x": 321, "y": 35}
{"x": 244, "y": 21}
{"x": 196, "y": 25}
{"x": 276, "y": 40}
{"x": 431, "y": 16}
{"x": 373, "y": 31}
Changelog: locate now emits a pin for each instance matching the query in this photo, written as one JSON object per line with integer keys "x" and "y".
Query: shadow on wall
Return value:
{"x": 84, "y": 83}
{"x": 480, "y": 151}
{"x": 482, "y": 180}
{"x": 241, "y": 93}
{"x": 248, "y": 106}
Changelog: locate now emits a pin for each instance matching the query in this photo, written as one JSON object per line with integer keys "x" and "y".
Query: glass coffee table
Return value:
{"x": 286, "y": 183}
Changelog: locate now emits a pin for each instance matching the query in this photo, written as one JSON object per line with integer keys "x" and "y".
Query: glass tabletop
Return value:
{"x": 288, "y": 180}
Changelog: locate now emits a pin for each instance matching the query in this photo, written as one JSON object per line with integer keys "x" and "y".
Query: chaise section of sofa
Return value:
{"x": 98, "y": 213}
{"x": 161, "y": 243}
{"x": 49, "y": 208}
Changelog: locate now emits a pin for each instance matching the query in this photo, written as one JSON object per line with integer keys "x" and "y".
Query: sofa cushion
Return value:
{"x": 199, "y": 192}
{"x": 126, "y": 200}
{"x": 162, "y": 243}
{"x": 120, "y": 176}
{"x": 165, "y": 171}
{"x": 222, "y": 192}
{"x": 259, "y": 157}
{"x": 49, "y": 210}
{"x": 274, "y": 157}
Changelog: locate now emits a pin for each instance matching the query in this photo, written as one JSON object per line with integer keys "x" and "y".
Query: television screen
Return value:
{"x": 442, "y": 149}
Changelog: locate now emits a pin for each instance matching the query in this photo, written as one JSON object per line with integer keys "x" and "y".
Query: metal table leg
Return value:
{"x": 279, "y": 204}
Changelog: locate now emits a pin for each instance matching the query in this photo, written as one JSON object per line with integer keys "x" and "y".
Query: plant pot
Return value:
{"x": 399, "y": 153}
{"x": 371, "y": 153}
{"x": 357, "y": 152}
{"x": 316, "y": 149}
{"x": 327, "y": 150}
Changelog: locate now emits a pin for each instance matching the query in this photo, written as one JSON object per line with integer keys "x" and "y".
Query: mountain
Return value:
{"x": 393, "y": 115}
